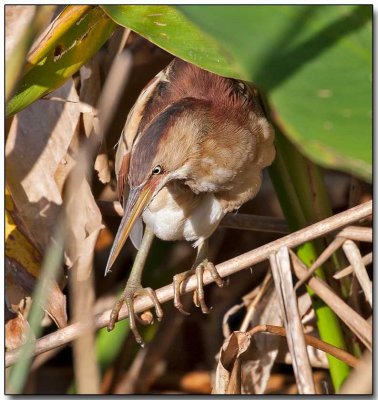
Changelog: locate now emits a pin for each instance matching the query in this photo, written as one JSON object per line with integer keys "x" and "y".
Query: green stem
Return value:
{"x": 303, "y": 198}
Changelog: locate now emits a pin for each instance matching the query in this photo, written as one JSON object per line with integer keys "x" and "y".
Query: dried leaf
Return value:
{"x": 227, "y": 376}
{"x": 264, "y": 348}
{"x": 90, "y": 89}
{"x": 38, "y": 141}
{"x": 16, "y": 331}
{"x": 41, "y": 152}
{"x": 23, "y": 266}
{"x": 89, "y": 93}
{"x": 83, "y": 225}
{"x": 56, "y": 305}
{"x": 102, "y": 166}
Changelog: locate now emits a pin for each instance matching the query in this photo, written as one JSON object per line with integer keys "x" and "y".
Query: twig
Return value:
{"x": 281, "y": 271}
{"x": 351, "y": 232}
{"x": 328, "y": 251}
{"x": 354, "y": 257}
{"x": 366, "y": 259}
{"x": 225, "y": 269}
{"x": 357, "y": 233}
{"x": 252, "y": 307}
{"x": 311, "y": 341}
{"x": 354, "y": 321}
{"x": 233, "y": 221}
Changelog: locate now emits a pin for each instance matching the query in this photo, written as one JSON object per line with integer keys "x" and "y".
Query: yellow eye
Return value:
{"x": 157, "y": 170}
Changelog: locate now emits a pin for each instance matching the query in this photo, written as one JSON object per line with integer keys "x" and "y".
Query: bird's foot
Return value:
{"x": 199, "y": 294}
{"x": 131, "y": 291}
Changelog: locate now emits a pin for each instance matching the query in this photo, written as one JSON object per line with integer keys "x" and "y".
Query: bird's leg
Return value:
{"x": 134, "y": 288}
{"x": 200, "y": 264}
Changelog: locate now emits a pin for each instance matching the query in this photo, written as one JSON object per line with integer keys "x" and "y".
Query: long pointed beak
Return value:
{"x": 136, "y": 203}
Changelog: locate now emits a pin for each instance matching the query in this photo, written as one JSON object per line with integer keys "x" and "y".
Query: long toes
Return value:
{"x": 200, "y": 303}
{"x": 204, "y": 308}
{"x": 195, "y": 298}
{"x": 177, "y": 280}
{"x": 179, "y": 306}
{"x": 114, "y": 314}
{"x": 200, "y": 290}
{"x": 158, "y": 310}
{"x": 137, "y": 336}
{"x": 132, "y": 318}
{"x": 215, "y": 274}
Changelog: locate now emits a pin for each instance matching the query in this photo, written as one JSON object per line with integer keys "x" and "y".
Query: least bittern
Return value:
{"x": 193, "y": 149}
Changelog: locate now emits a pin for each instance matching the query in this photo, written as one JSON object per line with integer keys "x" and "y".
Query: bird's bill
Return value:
{"x": 136, "y": 203}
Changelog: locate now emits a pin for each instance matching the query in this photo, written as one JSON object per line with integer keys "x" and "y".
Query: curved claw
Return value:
{"x": 199, "y": 294}
{"x": 128, "y": 297}
{"x": 177, "y": 281}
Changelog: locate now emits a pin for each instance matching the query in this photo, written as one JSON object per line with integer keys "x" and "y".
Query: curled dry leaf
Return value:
{"x": 228, "y": 373}
{"x": 17, "y": 329}
{"x": 41, "y": 151}
{"x": 264, "y": 348}
{"x": 22, "y": 269}
{"x": 102, "y": 165}
{"x": 83, "y": 225}
{"x": 89, "y": 94}
{"x": 38, "y": 142}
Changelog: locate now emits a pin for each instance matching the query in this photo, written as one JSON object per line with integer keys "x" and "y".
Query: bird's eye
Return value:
{"x": 157, "y": 170}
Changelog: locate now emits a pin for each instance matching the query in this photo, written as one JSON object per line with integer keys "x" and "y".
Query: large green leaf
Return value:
{"x": 172, "y": 31}
{"x": 315, "y": 63}
{"x": 77, "y": 34}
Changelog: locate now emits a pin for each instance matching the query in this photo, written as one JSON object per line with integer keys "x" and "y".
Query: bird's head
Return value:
{"x": 167, "y": 150}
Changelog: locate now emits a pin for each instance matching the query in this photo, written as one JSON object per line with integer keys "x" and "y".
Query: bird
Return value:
{"x": 192, "y": 150}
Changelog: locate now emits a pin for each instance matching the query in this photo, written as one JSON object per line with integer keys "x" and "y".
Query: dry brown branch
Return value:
{"x": 353, "y": 320}
{"x": 252, "y": 307}
{"x": 351, "y": 233}
{"x": 358, "y": 233}
{"x": 311, "y": 341}
{"x": 281, "y": 271}
{"x": 225, "y": 269}
{"x": 324, "y": 256}
{"x": 354, "y": 257}
{"x": 366, "y": 259}
{"x": 233, "y": 221}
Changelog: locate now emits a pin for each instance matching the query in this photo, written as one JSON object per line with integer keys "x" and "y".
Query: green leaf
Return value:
{"x": 315, "y": 64}
{"x": 76, "y": 34}
{"x": 169, "y": 29}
